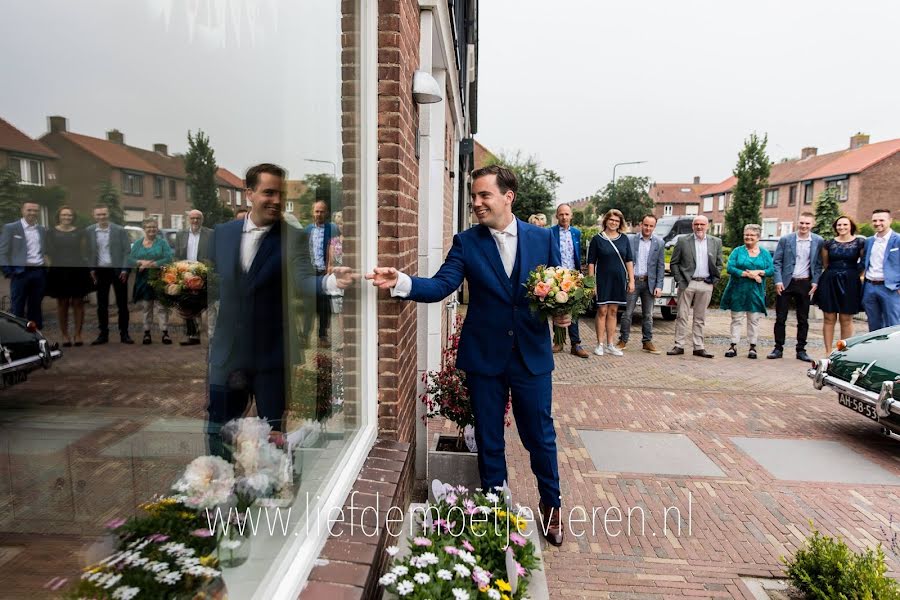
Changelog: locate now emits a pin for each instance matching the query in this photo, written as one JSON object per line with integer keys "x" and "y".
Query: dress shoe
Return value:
{"x": 101, "y": 339}
{"x": 126, "y": 339}
{"x": 775, "y": 353}
{"x": 578, "y": 351}
{"x": 557, "y": 348}
{"x": 675, "y": 351}
{"x": 165, "y": 338}
{"x": 731, "y": 352}
{"x": 621, "y": 344}
{"x": 551, "y": 524}
{"x": 802, "y": 355}
{"x": 190, "y": 342}
{"x": 702, "y": 352}
{"x": 147, "y": 339}
{"x": 752, "y": 352}
{"x": 649, "y": 347}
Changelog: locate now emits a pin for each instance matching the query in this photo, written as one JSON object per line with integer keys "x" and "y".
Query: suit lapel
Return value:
{"x": 523, "y": 256}
{"x": 489, "y": 248}
{"x": 267, "y": 247}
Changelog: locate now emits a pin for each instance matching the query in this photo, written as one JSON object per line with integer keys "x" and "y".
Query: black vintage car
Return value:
{"x": 22, "y": 350}
{"x": 865, "y": 373}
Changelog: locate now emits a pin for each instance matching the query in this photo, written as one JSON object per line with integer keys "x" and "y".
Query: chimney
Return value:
{"x": 696, "y": 180}
{"x": 115, "y": 136}
{"x": 808, "y": 151}
{"x": 161, "y": 149}
{"x": 57, "y": 124}
{"x": 858, "y": 141}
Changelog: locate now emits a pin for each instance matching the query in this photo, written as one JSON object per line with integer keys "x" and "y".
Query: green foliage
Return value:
{"x": 827, "y": 212}
{"x": 537, "y": 185}
{"x": 867, "y": 230}
{"x": 11, "y": 196}
{"x": 200, "y": 166}
{"x": 108, "y": 195}
{"x": 50, "y": 197}
{"x": 578, "y": 218}
{"x": 587, "y": 234}
{"x": 629, "y": 194}
{"x": 752, "y": 173}
{"x": 825, "y": 568}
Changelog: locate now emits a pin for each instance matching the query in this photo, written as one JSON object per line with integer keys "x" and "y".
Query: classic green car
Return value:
{"x": 865, "y": 373}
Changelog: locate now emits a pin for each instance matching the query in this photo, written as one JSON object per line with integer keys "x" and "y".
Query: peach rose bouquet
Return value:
{"x": 556, "y": 291}
{"x": 182, "y": 285}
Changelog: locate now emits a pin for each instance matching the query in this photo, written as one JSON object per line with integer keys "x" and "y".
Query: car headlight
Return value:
{"x": 821, "y": 370}
{"x": 885, "y": 399}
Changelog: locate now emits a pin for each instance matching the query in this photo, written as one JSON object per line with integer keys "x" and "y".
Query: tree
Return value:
{"x": 752, "y": 173}
{"x": 108, "y": 195}
{"x": 629, "y": 194}
{"x": 537, "y": 185}
{"x": 200, "y": 166}
{"x": 827, "y": 212}
{"x": 319, "y": 186}
{"x": 11, "y": 196}
{"x": 578, "y": 218}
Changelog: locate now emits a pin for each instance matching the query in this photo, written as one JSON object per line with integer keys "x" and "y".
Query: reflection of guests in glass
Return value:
{"x": 193, "y": 244}
{"x": 107, "y": 251}
{"x": 240, "y": 214}
{"x": 839, "y": 295}
{"x": 745, "y": 294}
{"x": 610, "y": 257}
{"x": 22, "y": 258}
{"x": 147, "y": 254}
{"x": 336, "y": 258}
{"x": 68, "y": 280}
{"x": 320, "y": 233}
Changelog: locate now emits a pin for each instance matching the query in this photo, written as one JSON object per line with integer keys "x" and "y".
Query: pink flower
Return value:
{"x": 203, "y": 533}
{"x": 517, "y": 539}
{"x": 562, "y": 297}
{"x": 470, "y": 506}
{"x": 451, "y": 550}
{"x": 420, "y": 541}
{"x": 542, "y": 289}
{"x": 451, "y": 498}
{"x": 158, "y": 537}
{"x": 520, "y": 570}
{"x": 115, "y": 523}
{"x": 567, "y": 285}
{"x": 468, "y": 546}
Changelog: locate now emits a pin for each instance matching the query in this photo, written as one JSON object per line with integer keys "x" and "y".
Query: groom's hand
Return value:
{"x": 383, "y": 277}
{"x": 562, "y": 320}
{"x": 344, "y": 277}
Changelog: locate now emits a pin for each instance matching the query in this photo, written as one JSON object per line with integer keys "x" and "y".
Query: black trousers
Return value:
{"x": 109, "y": 277}
{"x": 323, "y": 309}
{"x": 799, "y": 292}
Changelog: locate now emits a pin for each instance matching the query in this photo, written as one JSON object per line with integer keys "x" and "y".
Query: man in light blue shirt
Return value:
{"x": 568, "y": 239}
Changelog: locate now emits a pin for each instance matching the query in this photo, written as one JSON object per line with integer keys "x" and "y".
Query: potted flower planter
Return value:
{"x": 450, "y": 461}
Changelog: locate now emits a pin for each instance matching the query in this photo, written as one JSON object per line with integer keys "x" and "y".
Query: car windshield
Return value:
{"x": 664, "y": 226}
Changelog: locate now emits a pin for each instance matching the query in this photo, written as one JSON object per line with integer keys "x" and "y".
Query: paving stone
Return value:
{"x": 652, "y": 453}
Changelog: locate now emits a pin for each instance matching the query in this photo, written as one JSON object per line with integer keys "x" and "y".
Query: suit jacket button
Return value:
{"x": 510, "y": 332}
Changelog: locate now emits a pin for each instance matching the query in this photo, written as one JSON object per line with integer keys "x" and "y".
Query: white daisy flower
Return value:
{"x": 444, "y": 574}
{"x": 493, "y": 594}
{"x": 459, "y": 594}
{"x": 392, "y": 550}
{"x": 466, "y": 556}
{"x": 169, "y": 577}
{"x": 125, "y": 593}
{"x": 388, "y": 579}
{"x": 400, "y": 570}
{"x": 428, "y": 558}
{"x": 112, "y": 580}
{"x": 421, "y": 578}
{"x": 462, "y": 570}
{"x": 492, "y": 497}
{"x": 405, "y": 587}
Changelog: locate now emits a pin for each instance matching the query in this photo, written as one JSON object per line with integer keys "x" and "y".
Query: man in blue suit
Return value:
{"x": 504, "y": 347}
{"x": 246, "y": 353}
{"x": 320, "y": 233}
{"x": 568, "y": 239}
{"x": 798, "y": 266}
{"x": 881, "y": 292}
{"x": 649, "y": 274}
{"x": 23, "y": 261}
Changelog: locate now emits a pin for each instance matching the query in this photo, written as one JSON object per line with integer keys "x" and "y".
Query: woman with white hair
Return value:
{"x": 745, "y": 294}
{"x": 148, "y": 254}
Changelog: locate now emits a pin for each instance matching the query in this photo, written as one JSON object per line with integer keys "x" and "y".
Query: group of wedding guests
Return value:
{"x": 843, "y": 276}
{"x": 67, "y": 263}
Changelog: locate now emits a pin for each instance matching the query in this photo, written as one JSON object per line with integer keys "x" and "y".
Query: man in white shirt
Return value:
{"x": 108, "y": 252}
{"x": 504, "y": 347}
{"x": 193, "y": 244}
{"x": 881, "y": 291}
{"x": 22, "y": 258}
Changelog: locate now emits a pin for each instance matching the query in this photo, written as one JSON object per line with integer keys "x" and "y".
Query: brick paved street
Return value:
{"x": 743, "y": 521}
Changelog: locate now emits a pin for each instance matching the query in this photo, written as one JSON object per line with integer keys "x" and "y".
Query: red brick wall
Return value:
{"x": 879, "y": 188}
{"x": 398, "y": 182}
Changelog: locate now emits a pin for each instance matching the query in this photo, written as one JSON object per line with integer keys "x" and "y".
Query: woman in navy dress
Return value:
{"x": 839, "y": 294}
{"x": 611, "y": 259}
{"x": 68, "y": 279}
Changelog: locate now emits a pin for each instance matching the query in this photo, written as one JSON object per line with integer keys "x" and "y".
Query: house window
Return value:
{"x": 808, "y": 193}
{"x": 667, "y": 210}
{"x": 770, "y": 228}
{"x": 29, "y": 170}
{"x": 787, "y": 227}
{"x": 157, "y": 187}
{"x": 176, "y": 222}
{"x": 843, "y": 186}
{"x": 717, "y": 228}
{"x": 134, "y": 216}
{"x": 173, "y": 193}
{"x": 792, "y": 195}
{"x": 708, "y": 204}
{"x": 132, "y": 183}
{"x": 237, "y": 198}
{"x": 721, "y": 201}
{"x": 771, "y": 198}
{"x": 691, "y": 209}
{"x": 289, "y": 206}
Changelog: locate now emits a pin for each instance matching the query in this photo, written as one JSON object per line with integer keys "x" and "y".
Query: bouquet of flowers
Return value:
{"x": 556, "y": 291}
{"x": 182, "y": 285}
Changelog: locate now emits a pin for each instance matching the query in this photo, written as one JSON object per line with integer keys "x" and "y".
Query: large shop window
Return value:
{"x": 226, "y": 369}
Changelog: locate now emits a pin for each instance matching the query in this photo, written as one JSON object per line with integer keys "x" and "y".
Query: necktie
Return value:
{"x": 505, "y": 252}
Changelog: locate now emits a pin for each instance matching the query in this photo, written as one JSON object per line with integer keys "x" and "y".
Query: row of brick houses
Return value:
{"x": 151, "y": 183}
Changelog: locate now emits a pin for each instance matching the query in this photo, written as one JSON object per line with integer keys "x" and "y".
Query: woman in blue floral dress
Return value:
{"x": 839, "y": 295}
{"x": 745, "y": 294}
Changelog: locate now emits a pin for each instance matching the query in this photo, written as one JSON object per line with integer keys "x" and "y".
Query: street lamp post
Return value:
{"x": 632, "y": 162}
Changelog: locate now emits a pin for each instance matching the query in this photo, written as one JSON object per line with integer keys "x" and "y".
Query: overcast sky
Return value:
{"x": 584, "y": 84}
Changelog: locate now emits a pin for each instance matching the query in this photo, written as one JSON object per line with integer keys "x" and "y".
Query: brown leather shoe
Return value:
{"x": 649, "y": 347}
{"x": 557, "y": 348}
{"x": 621, "y": 344}
{"x": 578, "y": 351}
{"x": 551, "y": 524}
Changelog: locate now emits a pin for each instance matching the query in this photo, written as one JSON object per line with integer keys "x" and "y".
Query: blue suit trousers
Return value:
{"x": 26, "y": 291}
{"x": 882, "y": 306}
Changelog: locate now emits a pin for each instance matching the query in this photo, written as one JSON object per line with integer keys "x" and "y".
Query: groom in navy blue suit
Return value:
{"x": 504, "y": 348}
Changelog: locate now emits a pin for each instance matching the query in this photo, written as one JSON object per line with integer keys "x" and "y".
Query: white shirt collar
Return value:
{"x": 696, "y": 239}
{"x": 191, "y": 231}
{"x": 512, "y": 229}
{"x": 878, "y": 236}
{"x": 25, "y": 224}
{"x": 804, "y": 239}
{"x": 249, "y": 225}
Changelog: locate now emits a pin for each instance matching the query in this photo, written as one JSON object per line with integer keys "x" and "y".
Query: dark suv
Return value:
{"x": 669, "y": 228}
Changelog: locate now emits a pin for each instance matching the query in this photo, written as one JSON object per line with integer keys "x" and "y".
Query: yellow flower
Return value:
{"x": 503, "y": 586}
{"x": 209, "y": 560}
{"x": 504, "y": 597}
{"x": 186, "y": 515}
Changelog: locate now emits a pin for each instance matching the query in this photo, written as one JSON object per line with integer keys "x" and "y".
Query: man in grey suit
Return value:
{"x": 108, "y": 251}
{"x": 193, "y": 244}
{"x": 22, "y": 257}
{"x": 798, "y": 266}
{"x": 696, "y": 266}
{"x": 649, "y": 273}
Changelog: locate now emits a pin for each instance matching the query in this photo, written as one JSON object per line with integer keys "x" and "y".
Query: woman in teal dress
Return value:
{"x": 745, "y": 294}
{"x": 146, "y": 254}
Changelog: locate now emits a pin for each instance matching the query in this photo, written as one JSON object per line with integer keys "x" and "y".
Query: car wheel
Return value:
{"x": 667, "y": 313}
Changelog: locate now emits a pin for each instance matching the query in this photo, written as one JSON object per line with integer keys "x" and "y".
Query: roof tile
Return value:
{"x": 14, "y": 140}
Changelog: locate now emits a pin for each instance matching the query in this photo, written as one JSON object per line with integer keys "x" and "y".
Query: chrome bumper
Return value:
{"x": 44, "y": 358}
{"x": 884, "y": 403}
